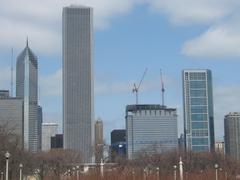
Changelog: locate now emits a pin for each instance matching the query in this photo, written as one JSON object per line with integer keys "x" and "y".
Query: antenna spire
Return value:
{"x": 163, "y": 89}
{"x": 27, "y": 41}
{"x": 12, "y": 72}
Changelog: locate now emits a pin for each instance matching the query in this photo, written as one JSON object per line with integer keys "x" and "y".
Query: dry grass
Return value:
{"x": 128, "y": 175}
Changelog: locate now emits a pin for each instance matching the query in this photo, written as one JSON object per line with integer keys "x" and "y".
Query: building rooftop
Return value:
{"x": 148, "y": 107}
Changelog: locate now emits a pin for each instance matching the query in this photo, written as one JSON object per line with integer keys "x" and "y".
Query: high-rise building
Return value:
{"x": 232, "y": 134}
{"x": 48, "y": 130}
{"x": 198, "y": 110}
{"x": 78, "y": 80}
{"x": 220, "y": 147}
{"x": 151, "y": 129}
{"x": 99, "y": 141}
{"x": 27, "y": 90}
{"x": 40, "y": 120}
{"x": 11, "y": 118}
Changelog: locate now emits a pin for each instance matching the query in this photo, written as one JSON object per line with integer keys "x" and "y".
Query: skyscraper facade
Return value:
{"x": 48, "y": 130}
{"x": 11, "y": 118}
{"x": 78, "y": 80}
{"x": 150, "y": 129}
{"x": 198, "y": 110}
{"x": 27, "y": 90}
{"x": 98, "y": 141}
{"x": 232, "y": 134}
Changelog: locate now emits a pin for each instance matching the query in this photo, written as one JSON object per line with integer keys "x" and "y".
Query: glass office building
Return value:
{"x": 198, "y": 110}
{"x": 78, "y": 94}
{"x": 27, "y": 90}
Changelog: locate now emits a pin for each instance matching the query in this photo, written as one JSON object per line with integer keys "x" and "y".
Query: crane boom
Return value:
{"x": 136, "y": 88}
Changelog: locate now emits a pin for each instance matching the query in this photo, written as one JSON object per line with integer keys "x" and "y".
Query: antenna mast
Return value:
{"x": 163, "y": 89}
{"x": 136, "y": 88}
{"x": 12, "y": 72}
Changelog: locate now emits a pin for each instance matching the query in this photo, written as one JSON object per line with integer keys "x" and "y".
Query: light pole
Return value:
{"x": 181, "y": 168}
{"x": 7, "y": 156}
{"x": 175, "y": 172}
{"x": 157, "y": 173}
{"x": 20, "y": 171}
{"x": 1, "y": 175}
{"x": 216, "y": 171}
{"x": 77, "y": 167}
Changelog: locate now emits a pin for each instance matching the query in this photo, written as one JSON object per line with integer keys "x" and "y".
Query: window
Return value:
{"x": 197, "y": 84}
{"x": 198, "y": 101}
{"x": 199, "y": 125}
{"x": 199, "y": 117}
{"x": 198, "y": 109}
{"x": 199, "y": 141}
{"x": 198, "y": 93}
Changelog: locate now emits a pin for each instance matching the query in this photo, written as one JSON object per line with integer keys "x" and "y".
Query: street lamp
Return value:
{"x": 175, "y": 172}
{"x": 20, "y": 171}
{"x": 7, "y": 156}
{"x": 157, "y": 173}
{"x": 77, "y": 167}
{"x": 1, "y": 175}
{"x": 216, "y": 171}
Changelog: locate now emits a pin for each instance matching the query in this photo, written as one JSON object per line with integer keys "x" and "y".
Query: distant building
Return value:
{"x": 11, "y": 117}
{"x": 48, "y": 130}
{"x": 4, "y": 94}
{"x": 57, "y": 141}
{"x": 219, "y": 147}
{"x": 198, "y": 110}
{"x": 78, "y": 116}
{"x": 98, "y": 141}
{"x": 181, "y": 143}
{"x": 27, "y": 90}
{"x": 151, "y": 129}
{"x": 118, "y": 144}
{"x": 232, "y": 134}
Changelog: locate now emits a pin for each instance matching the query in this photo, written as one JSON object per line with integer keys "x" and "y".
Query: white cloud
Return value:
{"x": 41, "y": 21}
{"x": 218, "y": 41}
{"x": 188, "y": 11}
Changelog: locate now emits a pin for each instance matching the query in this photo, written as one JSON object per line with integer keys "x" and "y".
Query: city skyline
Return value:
{"x": 113, "y": 80}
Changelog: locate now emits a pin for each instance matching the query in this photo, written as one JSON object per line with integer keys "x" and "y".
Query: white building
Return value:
{"x": 150, "y": 129}
{"x": 48, "y": 130}
{"x": 78, "y": 80}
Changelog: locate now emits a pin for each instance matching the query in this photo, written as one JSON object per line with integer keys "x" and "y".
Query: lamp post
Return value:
{"x": 216, "y": 171}
{"x": 157, "y": 173}
{"x": 175, "y": 172}
{"x": 181, "y": 168}
{"x": 77, "y": 167}
{"x": 20, "y": 171}
{"x": 7, "y": 156}
{"x": 1, "y": 175}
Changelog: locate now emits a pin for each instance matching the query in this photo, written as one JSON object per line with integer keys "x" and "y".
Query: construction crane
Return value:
{"x": 163, "y": 89}
{"x": 136, "y": 88}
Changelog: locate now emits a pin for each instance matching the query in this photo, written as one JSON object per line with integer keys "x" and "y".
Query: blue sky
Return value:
{"x": 131, "y": 35}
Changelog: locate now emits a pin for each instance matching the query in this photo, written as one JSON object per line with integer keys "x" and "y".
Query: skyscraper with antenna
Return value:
{"x": 27, "y": 90}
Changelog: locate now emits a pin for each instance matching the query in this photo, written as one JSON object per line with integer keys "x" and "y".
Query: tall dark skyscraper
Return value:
{"x": 27, "y": 90}
{"x": 78, "y": 80}
{"x": 198, "y": 110}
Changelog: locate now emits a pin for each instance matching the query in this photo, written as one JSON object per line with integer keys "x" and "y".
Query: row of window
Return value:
{"x": 199, "y": 125}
